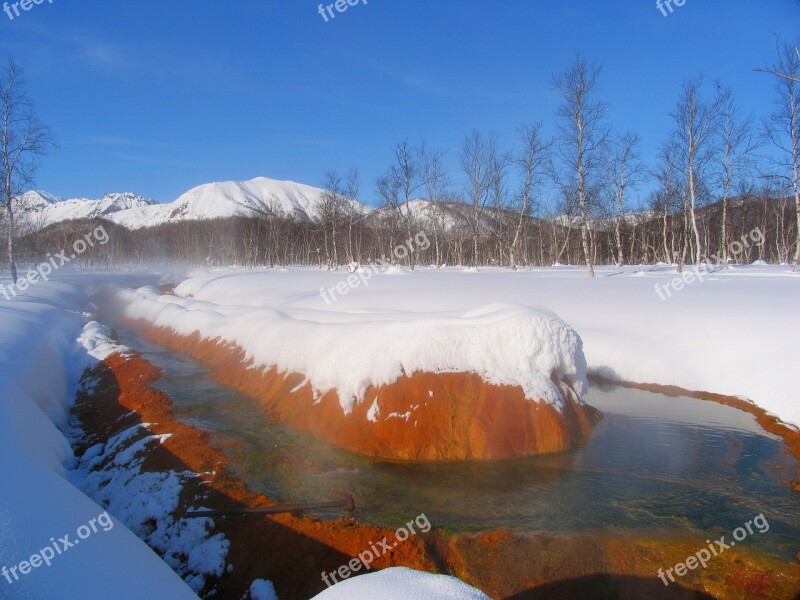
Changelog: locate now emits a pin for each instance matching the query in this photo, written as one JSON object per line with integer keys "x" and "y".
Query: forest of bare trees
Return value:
{"x": 575, "y": 198}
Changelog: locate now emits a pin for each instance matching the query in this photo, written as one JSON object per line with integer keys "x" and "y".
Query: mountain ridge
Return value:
{"x": 221, "y": 199}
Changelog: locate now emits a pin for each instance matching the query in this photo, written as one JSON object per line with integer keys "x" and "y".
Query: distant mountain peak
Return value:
{"x": 215, "y": 200}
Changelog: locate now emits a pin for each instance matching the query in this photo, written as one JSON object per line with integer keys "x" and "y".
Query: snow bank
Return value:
{"x": 39, "y": 368}
{"x": 400, "y": 583}
{"x": 507, "y": 344}
{"x": 733, "y": 333}
{"x": 111, "y": 475}
{"x": 261, "y": 589}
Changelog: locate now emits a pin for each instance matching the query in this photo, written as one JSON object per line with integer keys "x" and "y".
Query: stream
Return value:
{"x": 654, "y": 465}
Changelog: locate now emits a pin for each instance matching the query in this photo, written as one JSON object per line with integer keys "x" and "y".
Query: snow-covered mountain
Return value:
{"x": 449, "y": 214}
{"x": 209, "y": 201}
{"x": 38, "y": 209}
{"x": 228, "y": 199}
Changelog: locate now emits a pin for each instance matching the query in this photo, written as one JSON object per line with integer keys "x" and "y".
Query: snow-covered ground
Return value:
{"x": 731, "y": 333}
{"x": 41, "y": 513}
{"x": 67, "y": 525}
{"x": 110, "y": 473}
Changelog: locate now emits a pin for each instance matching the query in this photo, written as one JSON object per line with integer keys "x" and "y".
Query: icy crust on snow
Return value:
{"x": 507, "y": 344}
{"x": 401, "y": 583}
{"x": 40, "y": 364}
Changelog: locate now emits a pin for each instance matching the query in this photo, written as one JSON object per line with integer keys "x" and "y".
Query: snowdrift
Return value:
{"x": 731, "y": 334}
{"x": 495, "y": 381}
{"x": 40, "y": 365}
{"x": 397, "y": 583}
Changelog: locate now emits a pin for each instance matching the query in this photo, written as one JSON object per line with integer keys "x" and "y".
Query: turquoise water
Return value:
{"x": 653, "y": 463}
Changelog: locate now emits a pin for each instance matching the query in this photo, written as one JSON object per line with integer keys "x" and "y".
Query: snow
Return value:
{"x": 732, "y": 333}
{"x": 260, "y": 196}
{"x": 401, "y": 583}
{"x": 374, "y": 411}
{"x": 40, "y": 364}
{"x": 216, "y": 200}
{"x": 39, "y": 209}
{"x": 261, "y": 589}
{"x": 98, "y": 342}
{"x": 111, "y": 475}
{"x": 349, "y": 351}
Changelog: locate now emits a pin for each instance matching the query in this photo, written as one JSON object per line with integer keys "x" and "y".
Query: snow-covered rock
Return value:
{"x": 401, "y": 583}
{"x": 728, "y": 334}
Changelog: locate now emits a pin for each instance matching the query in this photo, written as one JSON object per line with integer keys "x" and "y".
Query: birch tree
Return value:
{"x": 24, "y": 140}
{"x": 532, "y": 163}
{"x": 436, "y": 182}
{"x": 352, "y": 185}
{"x": 668, "y": 177}
{"x": 736, "y": 147}
{"x": 582, "y": 140}
{"x": 696, "y": 122}
{"x": 406, "y": 171}
{"x": 625, "y": 172}
{"x": 478, "y": 158}
{"x": 783, "y": 127}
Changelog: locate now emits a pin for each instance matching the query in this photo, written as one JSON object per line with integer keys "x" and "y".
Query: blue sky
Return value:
{"x": 157, "y": 97}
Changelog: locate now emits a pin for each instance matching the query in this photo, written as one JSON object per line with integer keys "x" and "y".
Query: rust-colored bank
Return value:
{"x": 425, "y": 416}
{"x": 293, "y": 551}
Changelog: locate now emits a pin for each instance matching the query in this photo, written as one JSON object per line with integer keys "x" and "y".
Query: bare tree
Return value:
{"x": 783, "y": 127}
{"x": 498, "y": 191}
{"x": 436, "y": 182}
{"x": 407, "y": 172}
{"x": 478, "y": 161}
{"x": 737, "y": 145}
{"x": 332, "y": 208}
{"x": 532, "y": 162}
{"x": 780, "y": 70}
{"x": 583, "y": 137}
{"x": 696, "y": 122}
{"x": 275, "y": 217}
{"x": 352, "y": 185}
{"x": 668, "y": 176}
{"x": 388, "y": 186}
{"x": 23, "y": 141}
{"x": 625, "y": 172}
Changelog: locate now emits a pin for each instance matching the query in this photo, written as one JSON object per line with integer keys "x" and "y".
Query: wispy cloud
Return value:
{"x": 315, "y": 142}
{"x": 133, "y": 60}
{"x": 117, "y": 141}
{"x": 151, "y": 160}
{"x": 110, "y": 140}
{"x": 426, "y": 85}
{"x": 415, "y": 81}
{"x": 99, "y": 54}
